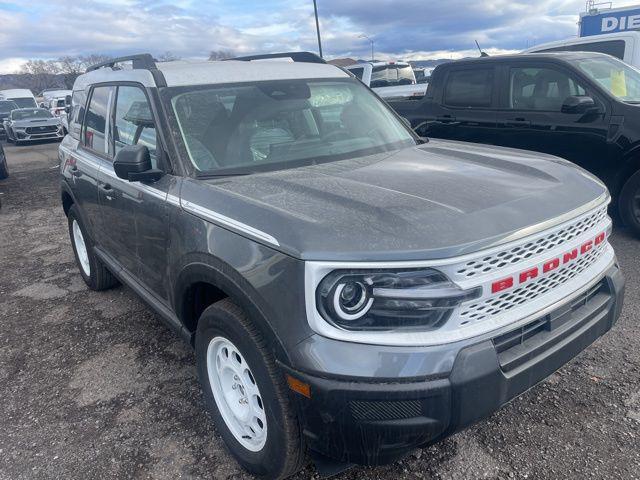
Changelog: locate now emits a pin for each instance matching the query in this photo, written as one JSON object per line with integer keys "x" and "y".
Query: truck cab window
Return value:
{"x": 469, "y": 88}
{"x": 541, "y": 89}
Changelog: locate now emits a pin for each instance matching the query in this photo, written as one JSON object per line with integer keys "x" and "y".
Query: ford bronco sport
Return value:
{"x": 352, "y": 291}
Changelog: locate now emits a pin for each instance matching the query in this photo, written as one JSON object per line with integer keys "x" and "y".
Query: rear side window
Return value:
{"x": 469, "y": 88}
{"x": 614, "y": 48}
{"x": 78, "y": 102}
{"x": 95, "y": 121}
{"x": 134, "y": 123}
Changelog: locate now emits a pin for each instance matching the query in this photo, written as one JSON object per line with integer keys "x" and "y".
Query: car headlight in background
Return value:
{"x": 421, "y": 299}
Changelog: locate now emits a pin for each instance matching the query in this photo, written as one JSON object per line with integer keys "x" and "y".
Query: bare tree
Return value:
{"x": 70, "y": 67}
{"x": 221, "y": 54}
{"x": 167, "y": 57}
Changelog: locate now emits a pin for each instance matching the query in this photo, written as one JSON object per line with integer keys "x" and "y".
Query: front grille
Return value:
{"x": 385, "y": 410}
{"x": 481, "y": 266}
{"x": 480, "y": 310}
{"x": 42, "y": 129}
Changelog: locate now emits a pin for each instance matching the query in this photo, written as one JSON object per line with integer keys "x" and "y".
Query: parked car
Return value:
{"x": 56, "y": 105}
{"x": 389, "y": 79}
{"x": 5, "y": 109}
{"x": 21, "y": 96}
{"x": 349, "y": 288}
{"x": 4, "y": 170}
{"x": 622, "y": 45}
{"x": 28, "y": 124}
{"x": 584, "y": 107}
{"x": 423, "y": 74}
{"x": 54, "y": 92}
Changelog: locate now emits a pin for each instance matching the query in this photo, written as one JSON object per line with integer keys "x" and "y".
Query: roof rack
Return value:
{"x": 304, "y": 57}
{"x": 141, "y": 61}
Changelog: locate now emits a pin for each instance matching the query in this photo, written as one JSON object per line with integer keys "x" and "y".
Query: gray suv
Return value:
{"x": 352, "y": 291}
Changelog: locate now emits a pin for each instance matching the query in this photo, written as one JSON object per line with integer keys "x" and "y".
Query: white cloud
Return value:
{"x": 11, "y": 65}
{"x": 191, "y": 28}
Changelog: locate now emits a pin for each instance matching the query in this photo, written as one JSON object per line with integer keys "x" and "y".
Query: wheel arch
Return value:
{"x": 66, "y": 197}
{"x": 204, "y": 280}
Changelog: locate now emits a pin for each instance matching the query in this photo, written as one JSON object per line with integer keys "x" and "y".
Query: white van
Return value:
{"x": 622, "y": 45}
{"x": 21, "y": 96}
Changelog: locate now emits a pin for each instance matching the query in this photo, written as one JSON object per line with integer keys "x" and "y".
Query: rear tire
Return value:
{"x": 629, "y": 203}
{"x": 94, "y": 273}
{"x": 273, "y": 447}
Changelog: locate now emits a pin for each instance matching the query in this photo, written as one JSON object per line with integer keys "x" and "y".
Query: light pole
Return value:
{"x": 315, "y": 9}
{"x": 364, "y": 36}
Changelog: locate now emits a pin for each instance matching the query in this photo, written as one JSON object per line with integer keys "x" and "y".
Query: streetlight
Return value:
{"x": 364, "y": 36}
{"x": 315, "y": 9}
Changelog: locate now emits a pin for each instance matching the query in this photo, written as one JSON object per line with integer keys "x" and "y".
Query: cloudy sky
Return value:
{"x": 409, "y": 29}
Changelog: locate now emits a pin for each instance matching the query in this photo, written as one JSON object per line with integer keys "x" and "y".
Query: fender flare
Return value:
{"x": 200, "y": 267}
{"x": 65, "y": 188}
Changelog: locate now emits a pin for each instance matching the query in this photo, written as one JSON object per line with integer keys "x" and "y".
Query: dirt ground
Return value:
{"x": 94, "y": 386}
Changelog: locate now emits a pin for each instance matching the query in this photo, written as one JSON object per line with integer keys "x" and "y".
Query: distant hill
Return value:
{"x": 343, "y": 62}
{"x": 428, "y": 63}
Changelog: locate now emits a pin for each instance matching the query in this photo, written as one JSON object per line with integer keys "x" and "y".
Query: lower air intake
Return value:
{"x": 381, "y": 410}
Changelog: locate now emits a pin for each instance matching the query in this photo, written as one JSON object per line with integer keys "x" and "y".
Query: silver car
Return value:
{"x": 28, "y": 124}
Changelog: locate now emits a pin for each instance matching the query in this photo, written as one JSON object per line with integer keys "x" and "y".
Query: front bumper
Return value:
{"x": 375, "y": 422}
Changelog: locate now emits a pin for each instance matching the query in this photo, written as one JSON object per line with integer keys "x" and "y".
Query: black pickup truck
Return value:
{"x": 584, "y": 107}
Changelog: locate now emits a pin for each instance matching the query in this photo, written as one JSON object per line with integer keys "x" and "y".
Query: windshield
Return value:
{"x": 6, "y": 106}
{"x": 389, "y": 75}
{"x": 248, "y": 128}
{"x": 30, "y": 114}
{"x": 618, "y": 78}
{"x": 26, "y": 102}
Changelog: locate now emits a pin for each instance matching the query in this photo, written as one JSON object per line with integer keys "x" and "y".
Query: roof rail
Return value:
{"x": 141, "y": 61}
{"x": 304, "y": 57}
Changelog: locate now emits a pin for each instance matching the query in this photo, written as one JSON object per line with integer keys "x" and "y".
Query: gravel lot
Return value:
{"x": 93, "y": 385}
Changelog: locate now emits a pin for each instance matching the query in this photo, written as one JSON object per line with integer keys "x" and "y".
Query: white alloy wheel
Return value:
{"x": 236, "y": 394}
{"x": 81, "y": 249}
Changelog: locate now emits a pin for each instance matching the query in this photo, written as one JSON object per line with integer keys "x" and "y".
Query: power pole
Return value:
{"x": 315, "y": 9}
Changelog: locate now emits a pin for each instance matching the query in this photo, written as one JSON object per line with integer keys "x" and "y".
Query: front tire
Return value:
{"x": 4, "y": 171}
{"x": 245, "y": 392}
{"x": 94, "y": 273}
{"x": 629, "y": 203}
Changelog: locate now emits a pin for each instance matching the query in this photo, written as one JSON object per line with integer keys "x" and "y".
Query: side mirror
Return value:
{"x": 133, "y": 163}
{"x": 42, "y": 105}
{"x": 579, "y": 104}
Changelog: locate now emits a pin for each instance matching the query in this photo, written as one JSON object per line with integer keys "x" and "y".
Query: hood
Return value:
{"x": 432, "y": 201}
{"x": 35, "y": 122}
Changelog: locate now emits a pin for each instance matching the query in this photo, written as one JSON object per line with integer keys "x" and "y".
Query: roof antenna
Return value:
{"x": 482, "y": 54}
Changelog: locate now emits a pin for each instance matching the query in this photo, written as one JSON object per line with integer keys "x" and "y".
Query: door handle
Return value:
{"x": 517, "y": 122}
{"x": 107, "y": 190}
{"x": 447, "y": 120}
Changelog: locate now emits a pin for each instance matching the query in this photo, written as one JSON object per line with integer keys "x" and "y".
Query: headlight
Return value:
{"x": 389, "y": 300}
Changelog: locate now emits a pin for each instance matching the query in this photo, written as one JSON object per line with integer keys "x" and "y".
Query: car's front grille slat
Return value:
{"x": 519, "y": 253}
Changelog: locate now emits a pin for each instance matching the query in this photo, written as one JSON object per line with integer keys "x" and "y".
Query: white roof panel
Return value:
{"x": 200, "y": 73}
